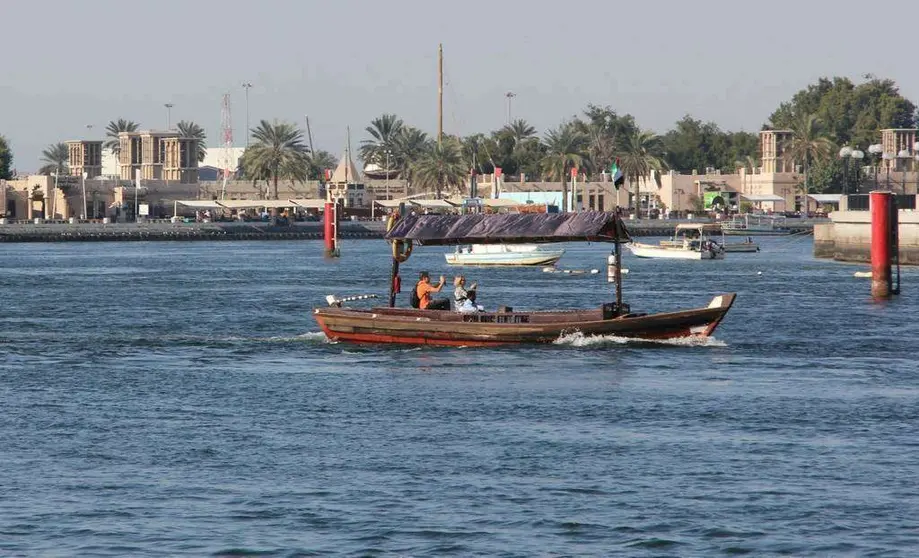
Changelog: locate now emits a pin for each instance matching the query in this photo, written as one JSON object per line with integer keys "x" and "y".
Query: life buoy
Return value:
{"x": 401, "y": 250}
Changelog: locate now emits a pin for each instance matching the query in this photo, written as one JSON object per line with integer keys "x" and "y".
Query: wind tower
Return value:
{"x": 226, "y": 121}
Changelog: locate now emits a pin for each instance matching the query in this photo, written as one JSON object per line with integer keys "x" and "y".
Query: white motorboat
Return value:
{"x": 689, "y": 242}
{"x": 706, "y": 232}
{"x": 504, "y": 254}
{"x": 692, "y": 250}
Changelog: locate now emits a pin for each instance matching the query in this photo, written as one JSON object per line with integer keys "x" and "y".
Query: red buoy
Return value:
{"x": 883, "y": 239}
{"x": 330, "y": 229}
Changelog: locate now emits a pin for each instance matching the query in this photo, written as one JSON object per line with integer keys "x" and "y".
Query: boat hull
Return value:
{"x": 672, "y": 253}
{"x": 509, "y": 259}
{"x": 740, "y": 247}
{"x": 445, "y": 328}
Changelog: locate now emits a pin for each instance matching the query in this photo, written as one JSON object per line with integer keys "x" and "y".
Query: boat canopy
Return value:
{"x": 510, "y": 228}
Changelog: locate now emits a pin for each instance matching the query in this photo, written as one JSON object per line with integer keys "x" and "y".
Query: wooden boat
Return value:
{"x": 506, "y": 326}
{"x": 504, "y": 255}
{"x": 746, "y": 246}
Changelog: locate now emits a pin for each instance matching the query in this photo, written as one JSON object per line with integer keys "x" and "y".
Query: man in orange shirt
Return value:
{"x": 424, "y": 289}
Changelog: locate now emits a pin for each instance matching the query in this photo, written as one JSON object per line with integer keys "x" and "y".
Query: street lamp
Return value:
{"x": 903, "y": 154}
{"x": 246, "y": 87}
{"x": 844, "y": 153}
{"x": 84, "y": 196}
{"x": 876, "y": 150}
{"x": 388, "y": 153}
{"x": 510, "y": 95}
{"x": 168, "y": 115}
{"x": 858, "y": 155}
{"x": 888, "y": 157}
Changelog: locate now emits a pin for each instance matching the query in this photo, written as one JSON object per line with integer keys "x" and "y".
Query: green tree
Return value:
{"x": 605, "y": 130}
{"x": 565, "y": 148}
{"x": 193, "y": 131}
{"x": 319, "y": 161}
{"x": 849, "y": 113}
{"x": 641, "y": 154}
{"x": 384, "y": 131}
{"x": 809, "y": 144}
{"x": 278, "y": 149}
{"x": 441, "y": 167}
{"x": 6, "y": 160}
{"x": 411, "y": 144}
{"x": 56, "y": 158}
{"x": 113, "y": 129}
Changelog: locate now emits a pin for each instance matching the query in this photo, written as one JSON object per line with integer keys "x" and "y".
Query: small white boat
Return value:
{"x": 689, "y": 242}
{"x": 706, "y": 231}
{"x": 691, "y": 250}
{"x": 504, "y": 254}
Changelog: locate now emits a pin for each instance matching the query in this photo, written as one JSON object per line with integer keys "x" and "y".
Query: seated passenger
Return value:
{"x": 463, "y": 299}
{"x": 424, "y": 289}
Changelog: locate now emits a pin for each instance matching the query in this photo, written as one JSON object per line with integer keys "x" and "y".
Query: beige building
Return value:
{"x": 158, "y": 156}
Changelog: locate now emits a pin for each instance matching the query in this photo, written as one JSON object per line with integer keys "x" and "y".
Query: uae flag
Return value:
{"x": 618, "y": 177}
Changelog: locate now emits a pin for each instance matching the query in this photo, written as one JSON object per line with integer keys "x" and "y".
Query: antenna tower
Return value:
{"x": 226, "y": 122}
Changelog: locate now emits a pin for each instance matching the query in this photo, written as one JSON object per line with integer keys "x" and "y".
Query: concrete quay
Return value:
{"x": 167, "y": 231}
{"x": 847, "y": 237}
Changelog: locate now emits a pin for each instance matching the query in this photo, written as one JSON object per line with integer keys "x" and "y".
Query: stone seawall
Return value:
{"x": 847, "y": 238}
{"x": 165, "y": 231}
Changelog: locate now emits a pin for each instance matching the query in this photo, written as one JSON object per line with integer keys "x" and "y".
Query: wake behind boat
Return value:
{"x": 504, "y": 255}
{"x": 506, "y": 326}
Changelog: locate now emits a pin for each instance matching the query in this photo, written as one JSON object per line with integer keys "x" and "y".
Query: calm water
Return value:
{"x": 176, "y": 399}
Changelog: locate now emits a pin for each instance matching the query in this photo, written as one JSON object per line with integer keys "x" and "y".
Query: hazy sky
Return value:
{"x": 69, "y": 64}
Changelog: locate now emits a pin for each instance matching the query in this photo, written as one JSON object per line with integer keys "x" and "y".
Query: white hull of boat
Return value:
{"x": 504, "y": 255}
{"x": 660, "y": 252}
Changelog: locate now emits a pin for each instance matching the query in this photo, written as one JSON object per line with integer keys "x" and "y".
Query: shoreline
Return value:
{"x": 167, "y": 231}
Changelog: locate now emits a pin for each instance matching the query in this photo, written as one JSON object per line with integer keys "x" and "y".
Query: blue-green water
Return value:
{"x": 166, "y": 399}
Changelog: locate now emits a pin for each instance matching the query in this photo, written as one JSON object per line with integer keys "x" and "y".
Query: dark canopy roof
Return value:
{"x": 510, "y": 228}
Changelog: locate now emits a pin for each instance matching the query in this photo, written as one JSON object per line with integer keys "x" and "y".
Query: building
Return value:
{"x": 85, "y": 157}
{"x": 158, "y": 155}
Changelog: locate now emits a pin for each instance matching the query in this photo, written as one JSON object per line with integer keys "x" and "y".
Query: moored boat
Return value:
{"x": 504, "y": 255}
{"x": 755, "y": 224}
{"x": 506, "y": 326}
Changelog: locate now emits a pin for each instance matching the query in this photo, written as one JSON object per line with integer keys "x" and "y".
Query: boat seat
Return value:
{"x": 505, "y": 309}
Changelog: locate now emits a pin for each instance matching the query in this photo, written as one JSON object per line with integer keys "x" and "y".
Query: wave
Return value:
{"x": 578, "y": 339}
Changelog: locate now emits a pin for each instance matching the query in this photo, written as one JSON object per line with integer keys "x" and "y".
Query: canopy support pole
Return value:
{"x": 394, "y": 272}
{"x": 618, "y": 273}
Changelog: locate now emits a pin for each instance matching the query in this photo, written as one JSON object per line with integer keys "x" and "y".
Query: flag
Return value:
{"x": 618, "y": 177}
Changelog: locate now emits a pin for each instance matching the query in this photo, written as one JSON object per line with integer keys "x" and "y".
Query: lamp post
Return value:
{"x": 388, "y": 153}
{"x": 844, "y": 153}
{"x": 876, "y": 150}
{"x": 903, "y": 154}
{"x": 246, "y": 87}
{"x": 858, "y": 155}
{"x": 510, "y": 95}
{"x": 888, "y": 157}
{"x": 168, "y": 115}
{"x": 84, "y": 196}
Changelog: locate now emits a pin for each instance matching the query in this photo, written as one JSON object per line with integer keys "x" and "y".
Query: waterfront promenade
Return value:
{"x": 164, "y": 230}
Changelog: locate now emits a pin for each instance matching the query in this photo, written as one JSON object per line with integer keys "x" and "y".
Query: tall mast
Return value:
{"x": 309, "y": 134}
{"x": 348, "y": 155}
{"x": 440, "y": 93}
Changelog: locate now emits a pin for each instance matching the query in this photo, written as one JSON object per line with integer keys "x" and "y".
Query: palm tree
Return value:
{"x": 57, "y": 157}
{"x": 442, "y": 166}
{"x": 279, "y": 150}
{"x": 193, "y": 131}
{"x": 113, "y": 129}
{"x": 384, "y": 132}
{"x": 520, "y": 130}
{"x": 641, "y": 155}
{"x": 319, "y": 161}
{"x": 411, "y": 144}
{"x": 809, "y": 143}
{"x": 565, "y": 149}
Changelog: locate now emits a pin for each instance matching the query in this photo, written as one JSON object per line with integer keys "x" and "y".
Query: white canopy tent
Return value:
{"x": 392, "y": 204}
{"x": 825, "y": 198}
{"x": 442, "y": 204}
